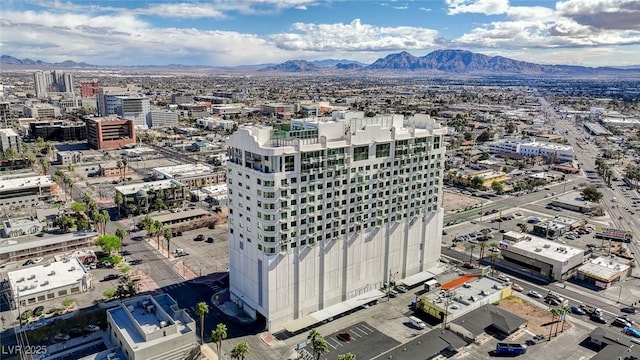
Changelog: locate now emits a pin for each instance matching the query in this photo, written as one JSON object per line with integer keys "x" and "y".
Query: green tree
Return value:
{"x": 347, "y": 356}
{"x": 108, "y": 243}
{"x": 82, "y": 223}
{"x": 318, "y": 343}
{"x": 523, "y": 227}
{"x": 68, "y": 302}
{"x": 497, "y": 187}
{"x": 510, "y": 127}
{"x": 78, "y": 208}
{"x": 590, "y": 193}
{"x": 109, "y": 293}
{"x": 240, "y": 351}
{"x": 46, "y": 166}
{"x": 158, "y": 230}
{"x": 476, "y": 182}
{"x": 470, "y": 247}
{"x": 64, "y": 222}
{"x": 485, "y": 136}
{"x": 555, "y": 312}
{"x": 219, "y": 334}
{"x": 202, "y": 309}
{"x": 493, "y": 255}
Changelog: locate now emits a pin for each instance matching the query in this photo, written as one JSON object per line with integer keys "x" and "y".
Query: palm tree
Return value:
{"x": 523, "y": 227}
{"x": 46, "y": 166}
{"x": 318, "y": 343}
{"x": 470, "y": 247}
{"x": 565, "y": 310}
{"x": 168, "y": 234}
{"x": 483, "y": 245}
{"x": 347, "y": 356}
{"x": 555, "y": 312}
{"x": 219, "y": 334}
{"x": 240, "y": 351}
{"x": 493, "y": 256}
{"x": 118, "y": 200}
{"x": 125, "y": 162}
{"x": 119, "y": 166}
{"x": 201, "y": 310}
{"x": 120, "y": 233}
{"x": 158, "y": 229}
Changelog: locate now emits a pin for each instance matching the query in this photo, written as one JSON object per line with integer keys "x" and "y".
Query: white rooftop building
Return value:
{"x": 323, "y": 214}
{"x": 542, "y": 257}
{"x": 152, "y": 328}
{"x": 48, "y": 281}
{"x": 557, "y": 152}
{"x": 192, "y": 176}
{"x": 26, "y": 191}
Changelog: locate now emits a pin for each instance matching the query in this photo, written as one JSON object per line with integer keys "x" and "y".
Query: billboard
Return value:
{"x": 613, "y": 234}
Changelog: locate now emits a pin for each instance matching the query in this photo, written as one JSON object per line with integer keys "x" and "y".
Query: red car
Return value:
{"x": 344, "y": 336}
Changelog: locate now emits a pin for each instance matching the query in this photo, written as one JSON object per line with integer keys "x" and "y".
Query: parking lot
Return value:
{"x": 206, "y": 256}
{"x": 365, "y": 341}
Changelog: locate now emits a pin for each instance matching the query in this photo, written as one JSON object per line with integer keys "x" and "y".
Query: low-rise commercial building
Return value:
{"x": 163, "y": 119}
{"x": 574, "y": 201}
{"x": 41, "y": 111}
{"x": 192, "y": 176}
{"x": 50, "y": 281}
{"x": 553, "y": 228}
{"x": 14, "y": 228}
{"x": 541, "y": 258}
{"x": 27, "y": 191}
{"x": 33, "y": 246}
{"x": 151, "y": 196}
{"x": 152, "y": 328}
{"x": 550, "y": 151}
{"x": 603, "y": 272}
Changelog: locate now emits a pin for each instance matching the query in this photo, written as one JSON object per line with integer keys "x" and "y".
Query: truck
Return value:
{"x": 590, "y": 310}
{"x": 510, "y": 349}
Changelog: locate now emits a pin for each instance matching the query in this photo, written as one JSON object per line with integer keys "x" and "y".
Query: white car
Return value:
{"x": 38, "y": 259}
{"x": 534, "y": 294}
{"x": 504, "y": 278}
{"x": 516, "y": 287}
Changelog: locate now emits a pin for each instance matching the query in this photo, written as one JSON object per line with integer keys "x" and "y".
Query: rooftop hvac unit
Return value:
{"x": 130, "y": 308}
{"x": 73, "y": 268}
{"x": 538, "y": 250}
{"x": 20, "y": 279}
{"x": 151, "y": 309}
{"x": 163, "y": 324}
{"x": 32, "y": 286}
{"x": 44, "y": 283}
{"x": 31, "y": 277}
{"x": 546, "y": 246}
{"x": 22, "y": 288}
{"x": 51, "y": 273}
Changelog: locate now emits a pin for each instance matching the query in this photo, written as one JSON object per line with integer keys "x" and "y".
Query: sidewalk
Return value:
{"x": 207, "y": 352}
{"x": 185, "y": 271}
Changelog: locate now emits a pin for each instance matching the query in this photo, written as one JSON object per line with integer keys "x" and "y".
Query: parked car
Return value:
{"x": 38, "y": 259}
{"x": 180, "y": 254}
{"x": 344, "y": 336}
{"x": 552, "y": 301}
{"x": 402, "y": 288}
{"x": 628, "y": 310}
{"x": 504, "y": 278}
{"x": 516, "y": 287}
{"x": 210, "y": 240}
{"x": 199, "y": 238}
{"x": 61, "y": 337}
{"x": 91, "y": 328}
{"x": 577, "y": 310}
{"x": 28, "y": 262}
{"x": 110, "y": 277}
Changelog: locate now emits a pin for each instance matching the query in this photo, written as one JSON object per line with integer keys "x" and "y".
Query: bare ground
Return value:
{"x": 539, "y": 319}
{"x": 453, "y": 201}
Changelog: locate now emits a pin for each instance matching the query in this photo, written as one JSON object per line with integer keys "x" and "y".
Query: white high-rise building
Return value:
{"x": 163, "y": 118}
{"x": 136, "y": 108}
{"x": 52, "y": 81}
{"x": 330, "y": 210}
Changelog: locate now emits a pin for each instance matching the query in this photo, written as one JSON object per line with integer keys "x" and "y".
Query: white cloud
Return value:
{"x": 424, "y": 9}
{"x": 354, "y": 36}
{"x": 181, "y": 10}
{"x": 487, "y": 7}
{"x": 400, "y": 7}
{"x": 603, "y": 14}
{"x": 301, "y": 7}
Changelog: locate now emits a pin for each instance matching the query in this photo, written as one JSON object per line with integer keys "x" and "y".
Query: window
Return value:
{"x": 360, "y": 153}
{"x": 382, "y": 150}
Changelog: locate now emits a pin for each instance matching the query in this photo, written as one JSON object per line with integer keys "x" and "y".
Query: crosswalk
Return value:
{"x": 211, "y": 284}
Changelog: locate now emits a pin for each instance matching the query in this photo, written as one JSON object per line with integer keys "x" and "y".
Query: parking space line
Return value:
{"x": 359, "y": 330}
{"x": 366, "y": 327}
{"x": 334, "y": 341}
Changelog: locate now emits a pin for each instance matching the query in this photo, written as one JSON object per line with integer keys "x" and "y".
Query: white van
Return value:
{"x": 417, "y": 322}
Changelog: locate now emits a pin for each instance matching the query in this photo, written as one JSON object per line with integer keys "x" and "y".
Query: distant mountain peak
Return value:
{"x": 292, "y": 66}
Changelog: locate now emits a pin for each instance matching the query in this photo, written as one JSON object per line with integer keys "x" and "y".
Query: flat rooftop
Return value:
{"x": 136, "y": 320}
{"x": 461, "y": 297}
{"x": 17, "y": 244}
{"x": 573, "y": 198}
{"x": 31, "y": 181}
{"x": 604, "y": 268}
{"x": 9, "y": 132}
{"x": 151, "y": 185}
{"x": 185, "y": 170}
{"x": 545, "y": 248}
{"x": 37, "y": 279}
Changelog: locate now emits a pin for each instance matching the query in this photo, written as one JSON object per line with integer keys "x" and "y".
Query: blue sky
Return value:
{"x": 245, "y": 32}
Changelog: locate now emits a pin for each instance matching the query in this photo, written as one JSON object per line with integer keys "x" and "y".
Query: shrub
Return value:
{"x": 109, "y": 293}
{"x": 68, "y": 302}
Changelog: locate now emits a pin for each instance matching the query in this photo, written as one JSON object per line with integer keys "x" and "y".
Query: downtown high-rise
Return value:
{"x": 325, "y": 210}
{"x": 46, "y": 82}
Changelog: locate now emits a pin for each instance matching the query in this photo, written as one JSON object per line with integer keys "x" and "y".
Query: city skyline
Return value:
{"x": 231, "y": 33}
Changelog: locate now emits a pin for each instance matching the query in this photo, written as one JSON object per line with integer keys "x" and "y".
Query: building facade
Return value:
{"x": 58, "y": 130}
{"x": 89, "y": 88}
{"x": 136, "y": 108}
{"x": 556, "y": 153}
{"x": 192, "y": 176}
{"x": 110, "y": 133}
{"x": 9, "y": 139}
{"x": 41, "y": 111}
{"x": 52, "y": 81}
{"x": 160, "y": 119}
{"x": 323, "y": 213}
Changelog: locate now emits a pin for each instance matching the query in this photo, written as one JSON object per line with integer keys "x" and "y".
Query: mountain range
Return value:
{"x": 437, "y": 62}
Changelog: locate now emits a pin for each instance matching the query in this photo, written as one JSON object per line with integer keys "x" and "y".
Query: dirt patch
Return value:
{"x": 539, "y": 320}
{"x": 453, "y": 201}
